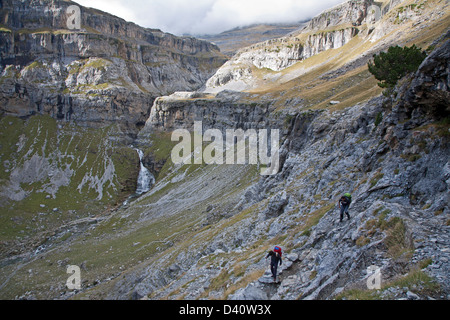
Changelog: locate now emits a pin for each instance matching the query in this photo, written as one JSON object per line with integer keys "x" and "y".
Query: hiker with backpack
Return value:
{"x": 344, "y": 204}
{"x": 275, "y": 258}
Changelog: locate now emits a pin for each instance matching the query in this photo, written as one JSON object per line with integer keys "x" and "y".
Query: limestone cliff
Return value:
{"x": 361, "y": 23}
{"x": 108, "y": 70}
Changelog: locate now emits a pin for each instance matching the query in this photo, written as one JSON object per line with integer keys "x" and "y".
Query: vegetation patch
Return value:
{"x": 314, "y": 217}
{"x": 80, "y": 173}
{"x": 389, "y": 67}
{"x": 416, "y": 281}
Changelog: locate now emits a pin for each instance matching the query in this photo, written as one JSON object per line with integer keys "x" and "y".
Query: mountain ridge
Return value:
{"x": 232, "y": 40}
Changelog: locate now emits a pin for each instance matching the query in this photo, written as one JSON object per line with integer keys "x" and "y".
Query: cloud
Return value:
{"x": 209, "y": 16}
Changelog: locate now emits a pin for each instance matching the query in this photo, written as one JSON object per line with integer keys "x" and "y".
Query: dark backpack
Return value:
{"x": 278, "y": 250}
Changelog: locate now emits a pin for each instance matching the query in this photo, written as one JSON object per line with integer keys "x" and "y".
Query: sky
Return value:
{"x": 197, "y": 17}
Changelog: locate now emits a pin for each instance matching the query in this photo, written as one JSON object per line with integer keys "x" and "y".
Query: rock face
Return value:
{"x": 224, "y": 110}
{"x": 430, "y": 88}
{"x": 108, "y": 70}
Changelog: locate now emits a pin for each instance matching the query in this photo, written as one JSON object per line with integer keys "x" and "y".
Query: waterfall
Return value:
{"x": 145, "y": 178}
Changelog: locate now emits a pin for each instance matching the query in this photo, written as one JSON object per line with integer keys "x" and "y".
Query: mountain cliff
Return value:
{"x": 107, "y": 70}
{"x": 203, "y": 230}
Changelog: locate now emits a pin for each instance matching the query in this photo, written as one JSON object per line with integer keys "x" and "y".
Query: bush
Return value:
{"x": 389, "y": 67}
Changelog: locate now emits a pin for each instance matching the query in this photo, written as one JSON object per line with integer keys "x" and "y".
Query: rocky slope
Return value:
{"x": 390, "y": 152}
{"x": 203, "y": 231}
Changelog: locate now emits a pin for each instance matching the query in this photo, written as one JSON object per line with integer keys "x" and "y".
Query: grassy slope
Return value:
{"x": 132, "y": 236}
{"x": 72, "y": 180}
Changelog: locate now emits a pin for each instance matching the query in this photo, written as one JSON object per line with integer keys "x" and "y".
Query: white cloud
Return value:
{"x": 209, "y": 16}
{"x": 115, "y": 7}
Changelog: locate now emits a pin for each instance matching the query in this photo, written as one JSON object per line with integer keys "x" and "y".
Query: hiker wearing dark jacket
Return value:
{"x": 344, "y": 204}
{"x": 275, "y": 258}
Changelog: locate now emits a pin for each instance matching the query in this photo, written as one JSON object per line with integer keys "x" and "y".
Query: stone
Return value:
{"x": 292, "y": 257}
{"x": 412, "y": 296}
{"x": 251, "y": 292}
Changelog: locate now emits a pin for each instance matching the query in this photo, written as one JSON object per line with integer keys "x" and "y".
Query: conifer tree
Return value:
{"x": 389, "y": 67}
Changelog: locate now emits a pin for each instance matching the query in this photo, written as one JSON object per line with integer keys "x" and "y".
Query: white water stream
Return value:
{"x": 145, "y": 179}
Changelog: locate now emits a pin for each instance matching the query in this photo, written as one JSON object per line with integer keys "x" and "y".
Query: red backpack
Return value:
{"x": 277, "y": 249}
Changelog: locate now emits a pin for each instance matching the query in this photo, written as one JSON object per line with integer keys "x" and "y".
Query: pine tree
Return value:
{"x": 389, "y": 67}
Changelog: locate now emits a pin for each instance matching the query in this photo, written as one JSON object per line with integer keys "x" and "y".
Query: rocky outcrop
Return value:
{"x": 279, "y": 54}
{"x": 108, "y": 70}
{"x": 430, "y": 87}
{"x": 226, "y": 110}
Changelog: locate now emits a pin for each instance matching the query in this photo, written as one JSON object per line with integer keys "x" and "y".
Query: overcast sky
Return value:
{"x": 197, "y": 17}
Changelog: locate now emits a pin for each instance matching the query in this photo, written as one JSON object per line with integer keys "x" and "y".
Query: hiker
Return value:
{"x": 275, "y": 258}
{"x": 344, "y": 204}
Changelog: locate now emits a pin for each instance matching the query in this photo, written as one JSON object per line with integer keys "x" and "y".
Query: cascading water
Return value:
{"x": 145, "y": 179}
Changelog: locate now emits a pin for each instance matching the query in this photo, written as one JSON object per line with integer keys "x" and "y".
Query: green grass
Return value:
{"x": 85, "y": 154}
{"x": 375, "y": 179}
{"x": 97, "y": 63}
{"x": 314, "y": 218}
{"x": 34, "y": 64}
{"x": 358, "y": 294}
{"x": 160, "y": 146}
{"x": 416, "y": 281}
{"x": 396, "y": 239}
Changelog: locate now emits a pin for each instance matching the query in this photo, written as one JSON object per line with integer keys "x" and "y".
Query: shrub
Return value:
{"x": 389, "y": 67}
